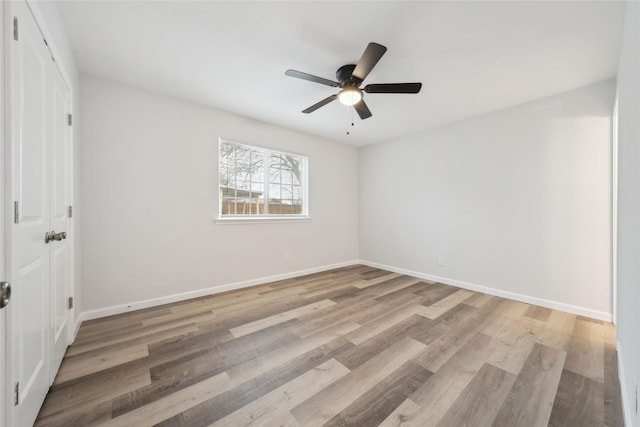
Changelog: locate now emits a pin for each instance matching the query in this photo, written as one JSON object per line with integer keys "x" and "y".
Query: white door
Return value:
{"x": 36, "y": 330}
{"x": 60, "y": 196}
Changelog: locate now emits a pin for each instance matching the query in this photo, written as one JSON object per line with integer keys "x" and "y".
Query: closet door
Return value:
{"x": 60, "y": 196}
{"x": 29, "y": 265}
{"x": 38, "y": 247}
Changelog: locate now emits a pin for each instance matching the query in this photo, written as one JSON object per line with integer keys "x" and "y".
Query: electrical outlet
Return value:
{"x": 287, "y": 256}
{"x": 441, "y": 261}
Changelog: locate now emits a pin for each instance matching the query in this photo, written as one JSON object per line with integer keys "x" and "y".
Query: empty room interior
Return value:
{"x": 320, "y": 213}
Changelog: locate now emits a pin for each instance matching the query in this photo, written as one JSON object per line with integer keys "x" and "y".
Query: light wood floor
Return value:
{"x": 354, "y": 346}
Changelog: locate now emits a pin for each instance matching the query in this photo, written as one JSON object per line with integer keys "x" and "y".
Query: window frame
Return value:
{"x": 264, "y": 218}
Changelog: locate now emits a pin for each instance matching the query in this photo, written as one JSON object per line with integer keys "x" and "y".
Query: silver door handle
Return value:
{"x": 5, "y": 294}
{"x": 52, "y": 235}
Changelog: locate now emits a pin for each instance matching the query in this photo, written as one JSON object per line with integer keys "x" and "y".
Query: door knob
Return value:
{"x": 5, "y": 294}
{"x": 52, "y": 235}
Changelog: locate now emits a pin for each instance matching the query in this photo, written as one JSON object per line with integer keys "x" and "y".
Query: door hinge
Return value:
{"x": 70, "y": 211}
{"x": 69, "y": 119}
{"x": 16, "y": 212}
{"x": 15, "y": 29}
{"x": 70, "y": 303}
{"x": 49, "y": 49}
{"x": 16, "y": 393}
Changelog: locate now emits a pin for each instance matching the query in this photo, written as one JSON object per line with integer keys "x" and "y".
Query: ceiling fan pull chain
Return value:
{"x": 350, "y": 119}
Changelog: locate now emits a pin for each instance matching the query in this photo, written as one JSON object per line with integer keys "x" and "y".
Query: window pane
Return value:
{"x": 244, "y": 178}
{"x": 285, "y": 175}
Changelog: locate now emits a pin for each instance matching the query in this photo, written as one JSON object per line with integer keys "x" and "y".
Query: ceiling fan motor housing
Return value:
{"x": 344, "y": 75}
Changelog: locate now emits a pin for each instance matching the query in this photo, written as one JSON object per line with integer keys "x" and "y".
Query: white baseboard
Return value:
{"x": 137, "y": 305}
{"x": 626, "y": 403}
{"x": 601, "y": 315}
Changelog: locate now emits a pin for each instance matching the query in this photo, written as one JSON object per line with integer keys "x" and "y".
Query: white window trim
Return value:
{"x": 265, "y": 219}
{"x": 261, "y": 219}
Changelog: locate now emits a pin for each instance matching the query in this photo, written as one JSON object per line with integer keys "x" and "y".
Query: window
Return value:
{"x": 257, "y": 182}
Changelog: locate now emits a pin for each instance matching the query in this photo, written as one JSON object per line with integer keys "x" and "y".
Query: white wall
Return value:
{"x": 629, "y": 212}
{"x": 149, "y": 182}
{"x": 517, "y": 201}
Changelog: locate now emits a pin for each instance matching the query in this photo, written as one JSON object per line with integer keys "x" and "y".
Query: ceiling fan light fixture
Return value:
{"x": 350, "y": 96}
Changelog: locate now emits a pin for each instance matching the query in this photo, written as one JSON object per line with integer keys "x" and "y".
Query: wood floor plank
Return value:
{"x": 478, "y": 300}
{"x": 372, "y": 329}
{"x": 512, "y": 342}
{"x": 374, "y": 273}
{"x": 539, "y": 313}
{"x": 476, "y": 406}
{"x": 437, "y": 394}
{"x": 357, "y": 355}
{"x": 323, "y": 406}
{"x": 556, "y": 331}
{"x": 180, "y": 346}
{"x": 399, "y": 416}
{"x": 408, "y": 290}
{"x": 193, "y": 315}
{"x": 315, "y": 322}
{"x": 97, "y": 416}
{"x": 257, "y": 325}
{"x": 277, "y": 403}
{"x": 376, "y": 404}
{"x": 504, "y": 313}
{"x": 193, "y": 368}
{"x": 95, "y": 327}
{"x": 612, "y": 398}
{"x": 362, "y": 284}
{"x": 350, "y": 346}
{"x": 434, "y": 292}
{"x": 585, "y": 351}
{"x": 172, "y": 404}
{"x": 443, "y": 324}
{"x": 440, "y": 350}
{"x": 438, "y": 308}
{"x": 126, "y": 340}
{"x": 384, "y": 306}
{"x": 578, "y": 401}
{"x": 531, "y": 398}
{"x": 391, "y": 285}
{"x": 511, "y": 352}
{"x": 65, "y": 401}
{"x": 335, "y": 294}
{"x": 88, "y": 363}
{"x": 280, "y": 355}
{"x": 230, "y": 401}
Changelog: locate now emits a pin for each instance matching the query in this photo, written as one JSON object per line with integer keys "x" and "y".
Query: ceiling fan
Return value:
{"x": 350, "y": 77}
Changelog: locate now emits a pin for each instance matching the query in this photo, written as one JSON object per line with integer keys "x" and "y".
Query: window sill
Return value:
{"x": 262, "y": 220}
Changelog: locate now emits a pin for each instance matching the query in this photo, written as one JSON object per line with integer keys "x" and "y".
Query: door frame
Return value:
{"x": 6, "y": 407}
{"x": 3, "y": 342}
{"x": 614, "y": 212}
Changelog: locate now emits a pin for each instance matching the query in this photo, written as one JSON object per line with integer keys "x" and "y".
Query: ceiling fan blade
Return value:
{"x": 369, "y": 59}
{"x": 362, "y": 110}
{"x": 322, "y": 103}
{"x": 311, "y": 78}
{"x": 393, "y": 88}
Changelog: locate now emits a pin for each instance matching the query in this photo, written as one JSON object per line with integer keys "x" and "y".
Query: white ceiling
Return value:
{"x": 472, "y": 57}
